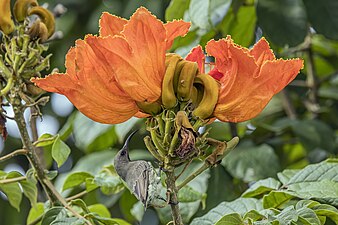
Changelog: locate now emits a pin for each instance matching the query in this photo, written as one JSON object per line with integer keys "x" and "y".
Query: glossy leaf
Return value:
{"x": 35, "y": 212}
{"x": 60, "y": 151}
{"x": 261, "y": 187}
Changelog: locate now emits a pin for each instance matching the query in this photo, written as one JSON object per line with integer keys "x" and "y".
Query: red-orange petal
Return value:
{"x": 137, "y": 59}
{"x": 247, "y": 85}
{"x": 111, "y": 25}
{"x": 197, "y": 55}
{"x": 261, "y": 51}
{"x": 174, "y": 29}
{"x": 91, "y": 87}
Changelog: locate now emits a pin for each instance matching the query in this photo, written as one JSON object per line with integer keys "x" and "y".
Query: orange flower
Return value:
{"x": 107, "y": 74}
{"x": 248, "y": 78}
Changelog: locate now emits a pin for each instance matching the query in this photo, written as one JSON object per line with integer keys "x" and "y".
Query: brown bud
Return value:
{"x": 38, "y": 30}
{"x": 21, "y": 7}
{"x": 33, "y": 90}
{"x": 46, "y": 17}
{"x": 6, "y": 22}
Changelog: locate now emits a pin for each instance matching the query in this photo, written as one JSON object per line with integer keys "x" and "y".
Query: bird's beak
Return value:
{"x": 126, "y": 143}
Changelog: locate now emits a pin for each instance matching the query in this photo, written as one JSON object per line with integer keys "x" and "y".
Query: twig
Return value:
{"x": 13, "y": 154}
{"x": 79, "y": 195}
{"x": 185, "y": 167}
{"x": 12, "y": 180}
{"x": 289, "y": 109}
{"x": 230, "y": 146}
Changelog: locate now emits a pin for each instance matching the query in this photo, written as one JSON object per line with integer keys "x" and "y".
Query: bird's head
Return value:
{"x": 122, "y": 159}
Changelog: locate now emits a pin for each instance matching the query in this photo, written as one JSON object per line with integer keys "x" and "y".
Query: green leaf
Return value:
{"x": 231, "y": 219}
{"x": 100, "y": 209}
{"x": 60, "y": 151}
{"x": 240, "y": 206}
{"x": 75, "y": 179}
{"x": 308, "y": 216}
{"x": 241, "y": 25}
{"x": 326, "y": 170}
{"x": 323, "y": 16}
{"x": 110, "y": 221}
{"x": 251, "y": 163}
{"x": 326, "y": 210}
{"x": 35, "y": 212}
{"x": 53, "y": 214}
{"x": 283, "y": 21}
{"x": 109, "y": 181}
{"x": 176, "y": 9}
{"x": 253, "y": 215}
{"x": 261, "y": 187}
{"x": 188, "y": 194}
{"x": 276, "y": 198}
{"x": 67, "y": 221}
{"x": 45, "y": 140}
{"x": 30, "y": 191}
{"x": 92, "y": 136}
{"x": 325, "y": 191}
{"x": 80, "y": 203}
{"x": 12, "y": 190}
{"x": 199, "y": 13}
{"x": 317, "y": 135}
{"x": 286, "y": 175}
{"x": 287, "y": 216}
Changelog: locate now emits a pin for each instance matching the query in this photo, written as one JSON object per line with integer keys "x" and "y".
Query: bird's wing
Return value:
{"x": 141, "y": 183}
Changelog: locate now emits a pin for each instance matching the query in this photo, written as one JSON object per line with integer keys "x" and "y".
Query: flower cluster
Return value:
{"x": 126, "y": 71}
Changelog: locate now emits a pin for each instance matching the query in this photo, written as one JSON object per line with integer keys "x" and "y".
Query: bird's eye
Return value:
{"x": 123, "y": 153}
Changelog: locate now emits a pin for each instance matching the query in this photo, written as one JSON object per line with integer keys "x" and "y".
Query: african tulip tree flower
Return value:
{"x": 108, "y": 74}
{"x": 248, "y": 78}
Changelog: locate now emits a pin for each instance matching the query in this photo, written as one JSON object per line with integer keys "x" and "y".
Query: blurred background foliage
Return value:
{"x": 298, "y": 127}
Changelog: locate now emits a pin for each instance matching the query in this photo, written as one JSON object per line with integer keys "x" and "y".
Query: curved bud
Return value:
{"x": 33, "y": 90}
{"x": 46, "y": 17}
{"x": 152, "y": 108}
{"x": 6, "y": 22}
{"x": 38, "y": 30}
{"x": 168, "y": 93}
{"x": 20, "y": 9}
{"x": 186, "y": 80}
{"x": 210, "y": 96}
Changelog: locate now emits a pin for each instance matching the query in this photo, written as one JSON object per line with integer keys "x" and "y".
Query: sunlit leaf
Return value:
{"x": 60, "y": 151}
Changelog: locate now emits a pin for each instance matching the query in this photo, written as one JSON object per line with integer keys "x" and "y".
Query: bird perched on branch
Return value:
{"x": 139, "y": 176}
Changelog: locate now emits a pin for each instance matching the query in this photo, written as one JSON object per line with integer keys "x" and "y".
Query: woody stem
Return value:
{"x": 175, "y": 210}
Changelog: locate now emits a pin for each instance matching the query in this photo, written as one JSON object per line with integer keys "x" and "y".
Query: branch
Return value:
{"x": 13, "y": 154}
{"x": 173, "y": 190}
{"x": 206, "y": 165}
{"x": 12, "y": 180}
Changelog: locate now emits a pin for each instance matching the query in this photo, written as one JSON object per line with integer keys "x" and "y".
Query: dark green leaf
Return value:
{"x": 53, "y": 214}
{"x": 314, "y": 134}
{"x": 323, "y": 16}
{"x": 283, "y": 21}
{"x": 188, "y": 194}
{"x": 241, "y": 26}
{"x": 60, "y": 151}
{"x": 252, "y": 163}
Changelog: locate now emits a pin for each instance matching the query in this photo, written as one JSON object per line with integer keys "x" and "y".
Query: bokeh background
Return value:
{"x": 298, "y": 127}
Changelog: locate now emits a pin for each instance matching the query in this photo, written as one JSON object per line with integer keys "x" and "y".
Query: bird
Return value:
{"x": 139, "y": 176}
